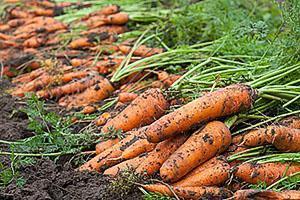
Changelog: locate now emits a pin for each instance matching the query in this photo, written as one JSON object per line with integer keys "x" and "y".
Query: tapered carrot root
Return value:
{"x": 142, "y": 50}
{"x": 283, "y": 138}
{"x": 139, "y": 147}
{"x": 117, "y": 19}
{"x": 107, "y": 158}
{"x": 267, "y": 172}
{"x": 149, "y": 106}
{"x": 291, "y": 122}
{"x": 203, "y": 145}
{"x": 125, "y": 97}
{"x": 81, "y": 43}
{"x": 266, "y": 194}
{"x": 131, "y": 164}
{"x": 211, "y": 173}
{"x": 88, "y": 109}
{"x": 189, "y": 192}
{"x": 102, "y": 146}
{"x": 73, "y": 87}
{"x": 160, "y": 154}
{"x": 92, "y": 94}
{"x": 223, "y": 102}
{"x": 108, "y": 10}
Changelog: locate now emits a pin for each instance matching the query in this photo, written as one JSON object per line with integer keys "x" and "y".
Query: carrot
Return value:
{"x": 106, "y": 158}
{"x": 213, "y": 172}
{"x": 292, "y": 122}
{"x": 4, "y": 27}
{"x": 147, "y": 107}
{"x": 283, "y": 138}
{"x": 34, "y": 65}
{"x": 223, "y": 102}
{"x": 16, "y": 22}
{"x": 125, "y": 97}
{"x": 5, "y": 37}
{"x": 80, "y": 43}
{"x": 76, "y": 62}
{"x": 160, "y": 154}
{"x": 189, "y": 192}
{"x": 102, "y": 119}
{"x": 112, "y": 29}
{"x": 108, "y": 10}
{"x": 88, "y": 109}
{"x": 203, "y": 145}
{"x": 44, "y": 12}
{"x": 117, "y": 19}
{"x": 167, "y": 79}
{"x": 142, "y": 50}
{"x": 140, "y": 146}
{"x": 104, "y": 145}
{"x": 266, "y": 194}
{"x": 18, "y": 13}
{"x": 73, "y": 87}
{"x": 7, "y": 71}
{"x": 266, "y": 172}
{"x": 131, "y": 164}
{"x": 92, "y": 94}
{"x": 34, "y": 42}
{"x": 44, "y": 80}
{"x": 25, "y": 78}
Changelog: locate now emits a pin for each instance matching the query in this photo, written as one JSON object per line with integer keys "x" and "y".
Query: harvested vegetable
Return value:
{"x": 203, "y": 145}
{"x": 223, "y": 102}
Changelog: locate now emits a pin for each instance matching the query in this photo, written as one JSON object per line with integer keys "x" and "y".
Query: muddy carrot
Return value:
{"x": 92, "y": 94}
{"x": 203, "y": 145}
{"x": 73, "y": 87}
{"x": 108, "y": 10}
{"x": 88, "y": 109}
{"x": 131, "y": 164}
{"x": 211, "y": 173}
{"x": 292, "y": 122}
{"x": 102, "y": 119}
{"x": 223, "y": 102}
{"x": 106, "y": 158}
{"x": 117, "y": 19}
{"x": 266, "y": 194}
{"x": 34, "y": 42}
{"x": 147, "y": 107}
{"x": 160, "y": 154}
{"x": 142, "y": 50}
{"x": 102, "y": 146}
{"x": 266, "y": 172}
{"x": 4, "y": 27}
{"x": 140, "y": 146}
{"x": 125, "y": 97}
{"x": 189, "y": 192}
{"x": 25, "y": 78}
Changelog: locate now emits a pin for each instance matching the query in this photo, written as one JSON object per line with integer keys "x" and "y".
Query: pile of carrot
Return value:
{"x": 75, "y": 76}
{"x": 187, "y": 147}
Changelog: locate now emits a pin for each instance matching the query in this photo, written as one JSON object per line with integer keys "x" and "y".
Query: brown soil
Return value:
{"x": 48, "y": 179}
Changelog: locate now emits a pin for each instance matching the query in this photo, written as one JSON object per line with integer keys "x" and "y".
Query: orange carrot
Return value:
{"x": 139, "y": 147}
{"x": 34, "y": 42}
{"x": 117, "y": 19}
{"x": 4, "y": 27}
{"x": 25, "y": 78}
{"x": 142, "y": 50}
{"x": 223, "y": 102}
{"x": 266, "y": 194}
{"x": 203, "y": 145}
{"x": 266, "y": 172}
{"x": 92, "y": 94}
{"x": 102, "y": 119}
{"x": 81, "y": 43}
{"x": 211, "y": 173}
{"x": 160, "y": 154}
{"x": 283, "y": 138}
{"x": 131, "y": 164}
{"x": 44, "y": 12}
{"x": 73, "y": 87}
{"x": 46, "y": 79}
{"x": 16, "y": 22}
{"x": 112, "y": 29}
{"x": 189, "y": 192}
{"x": 88, "y": 109}
{"x": 104, "y": 145}
{"x": 108, "y": 10}
{"x": 292, "y": 122}
{"x": 147, "y": 107}
{"x": 106, "y": 158}
{"x": 125, "y": 97}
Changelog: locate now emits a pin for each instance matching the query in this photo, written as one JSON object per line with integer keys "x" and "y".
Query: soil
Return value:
{"x": 48, "y": 179}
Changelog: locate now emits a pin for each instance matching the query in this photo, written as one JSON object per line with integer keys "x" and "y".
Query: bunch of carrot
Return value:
{"x": 75, "y": 77}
